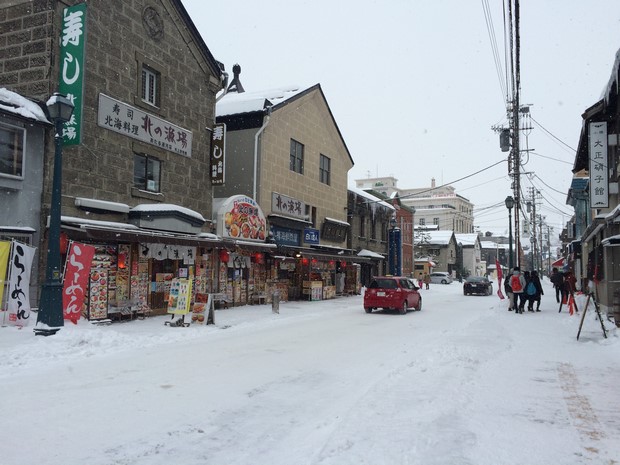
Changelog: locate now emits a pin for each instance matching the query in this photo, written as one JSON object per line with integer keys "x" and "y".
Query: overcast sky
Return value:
{"x": 414, "y": 89}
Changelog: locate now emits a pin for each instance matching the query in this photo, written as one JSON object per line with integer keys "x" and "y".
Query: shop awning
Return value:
{"x": 611, "y": 241}
{"x": 370, "y": 254}
{"x": 313, "y": 253}
{"x": 122, "y": 232}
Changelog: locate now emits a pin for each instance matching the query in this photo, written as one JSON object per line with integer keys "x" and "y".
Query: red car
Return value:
{"x": 392, "y": 292}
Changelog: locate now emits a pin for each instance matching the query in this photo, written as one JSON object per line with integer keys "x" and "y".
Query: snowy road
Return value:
{"x": 462, "y": 382}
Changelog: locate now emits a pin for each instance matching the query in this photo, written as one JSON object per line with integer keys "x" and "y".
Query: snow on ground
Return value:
{"x": 464, "y": 381}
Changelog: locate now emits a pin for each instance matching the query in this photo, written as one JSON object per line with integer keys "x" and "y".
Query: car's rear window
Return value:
{"x": 383, "y": 284}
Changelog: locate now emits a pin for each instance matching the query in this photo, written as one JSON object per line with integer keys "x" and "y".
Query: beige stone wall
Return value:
{"x": 308, "y": 121}
{"x": 117, "y": 43}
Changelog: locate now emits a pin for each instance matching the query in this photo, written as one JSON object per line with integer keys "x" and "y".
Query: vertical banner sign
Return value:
{"x": 218, "y": 154}
{"x": 18, "y": 298}
{"x": 5, "y": 250}
{"x": 72, "y": 62}
{"x": 500, "y": 279}
{"x": 77, "y": 271}
{"x": 395, "y": 252}
{"x": 599, "y": 174}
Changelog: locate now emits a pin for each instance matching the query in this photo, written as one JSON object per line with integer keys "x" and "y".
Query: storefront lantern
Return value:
{"x": 122, "y": 261}
{"x": 304, "y": 261}
{"x": 258, "y": 258}
{"x": 343, "y": 264}
{"x": 224, "y": 256}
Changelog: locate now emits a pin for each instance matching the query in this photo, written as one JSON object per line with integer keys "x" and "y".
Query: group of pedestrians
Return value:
{"x": 522, "y": 288}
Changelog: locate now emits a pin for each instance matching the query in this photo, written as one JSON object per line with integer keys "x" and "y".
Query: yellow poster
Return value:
{"x": 179, "y": 299}
{"x": 5, "y": 250}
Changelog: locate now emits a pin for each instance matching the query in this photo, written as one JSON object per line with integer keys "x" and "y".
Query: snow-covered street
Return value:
{"x": 464, "y": 381}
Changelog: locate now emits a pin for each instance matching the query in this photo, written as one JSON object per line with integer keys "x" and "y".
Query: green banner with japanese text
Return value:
{"x": 72, "y": 68}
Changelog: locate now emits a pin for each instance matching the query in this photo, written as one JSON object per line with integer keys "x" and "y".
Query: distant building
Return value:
{"x": 436, "y": 205}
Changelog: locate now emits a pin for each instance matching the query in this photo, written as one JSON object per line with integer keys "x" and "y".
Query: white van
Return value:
{"x": 441, "y": 277}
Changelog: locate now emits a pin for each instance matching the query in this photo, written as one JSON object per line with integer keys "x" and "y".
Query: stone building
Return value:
{"x": 136, "y": 152}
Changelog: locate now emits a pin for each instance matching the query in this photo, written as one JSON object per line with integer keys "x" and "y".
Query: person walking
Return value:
{"x": 529, "y": 292}
{"x": 427, "y": 280}
{"x": 420, "y": 280}
{"x": 508, "y": 290}
{"x": 539, "y": 290}
{"x": 557, "y": 280}
{"x": 517, "y": 284}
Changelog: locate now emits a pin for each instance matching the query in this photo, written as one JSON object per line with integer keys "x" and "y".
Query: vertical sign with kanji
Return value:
{"x": 599, "y": 175}
{"x": 72, "y": 68}
{"x": 218, "y": 154}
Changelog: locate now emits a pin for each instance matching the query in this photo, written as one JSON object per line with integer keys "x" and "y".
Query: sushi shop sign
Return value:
{"x": 240, "y": 217}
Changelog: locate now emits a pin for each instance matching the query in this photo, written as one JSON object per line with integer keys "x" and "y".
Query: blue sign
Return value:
{"x": 311, "y": 236}
{"x": 286, "y": 236}
{"x": 395, "y": 253}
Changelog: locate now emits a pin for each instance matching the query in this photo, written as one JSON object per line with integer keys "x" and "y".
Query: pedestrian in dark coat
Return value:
{"x": 535, "y": 279}
{"x": 508, "y": 290}
{"x": 557, "y": 280}
{"x": 528, "y": 294}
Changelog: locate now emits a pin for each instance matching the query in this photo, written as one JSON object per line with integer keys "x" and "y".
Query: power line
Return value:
{"x": 554, "y": 136}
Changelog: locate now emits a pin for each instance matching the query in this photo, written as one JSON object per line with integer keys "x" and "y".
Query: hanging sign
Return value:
{"x": 218, "y": 155}
{"x": 72, "y": 68}
{"x": 599, "y": 174}
{"x": 5, "y": 250}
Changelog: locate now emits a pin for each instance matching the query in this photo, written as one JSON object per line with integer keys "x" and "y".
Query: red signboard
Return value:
{"x": 76, "y": 280}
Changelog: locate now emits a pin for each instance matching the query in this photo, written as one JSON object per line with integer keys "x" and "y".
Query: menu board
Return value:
{"x": 98, "y": 294}
{"x": 200, "y": 308}
{"x": 179, "y": 298}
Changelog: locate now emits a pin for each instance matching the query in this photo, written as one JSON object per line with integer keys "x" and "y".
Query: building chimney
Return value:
{"x": 433, "y": 183}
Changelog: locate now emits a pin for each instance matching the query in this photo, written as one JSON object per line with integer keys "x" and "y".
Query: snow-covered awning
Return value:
{"x": 370, "y": 253}
{"x": 611, "y": 241}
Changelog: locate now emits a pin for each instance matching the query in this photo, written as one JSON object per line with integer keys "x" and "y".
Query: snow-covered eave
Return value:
{"x": 166, "y": 207}
{"x": 12, "y": 102}
{"x": 334, "y": 220}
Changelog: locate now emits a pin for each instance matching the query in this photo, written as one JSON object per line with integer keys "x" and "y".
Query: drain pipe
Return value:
{"x": 256, "y": 136}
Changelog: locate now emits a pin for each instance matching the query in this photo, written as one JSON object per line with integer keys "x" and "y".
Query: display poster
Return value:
{"x": 98, "y": 294}
{"x": 200, "y": 308}
{"x": 179, "y": 298}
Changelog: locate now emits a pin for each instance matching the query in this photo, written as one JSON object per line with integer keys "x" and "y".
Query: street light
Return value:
{"x": 510, "y": 203}
{"x": 50, "y": 316}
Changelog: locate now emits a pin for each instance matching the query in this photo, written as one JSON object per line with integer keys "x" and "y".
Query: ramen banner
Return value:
{"x": 18, "y": 291}
{"x": 77, "y": 271}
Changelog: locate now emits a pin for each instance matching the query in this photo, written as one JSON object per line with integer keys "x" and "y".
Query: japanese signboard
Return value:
{"x": 599, "y": 174}
{"x": 284, "y": 205}
{"x": 286, "y": 236}
{"x": 72, "y": 66}
{"x": 311, "y": 236}
{"x": 218, "y": 154}
{"x": 18, "y": 298}
{"x": 138, "y": 124}
{"x": 5, "y": 250}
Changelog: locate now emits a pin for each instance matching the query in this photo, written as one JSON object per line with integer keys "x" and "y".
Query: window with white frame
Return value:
{"x": 146, "y": 172}
{"x": 150, "y": 86}
{"x": 12, "y": 140}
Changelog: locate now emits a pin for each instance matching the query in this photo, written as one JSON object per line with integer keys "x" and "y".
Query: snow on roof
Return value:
{"x": 375, "y": 200}
{"x": 12, "y": 102}
{"x": 167, "y": 207}
{"x": 466, "y": 239}
{"x": 492, "y": 245}
{"x": 246, "y": 102}
{"x": 437, "y": 237}
{"x": 105, "y": 224}
{"x": 369, "y": 253}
